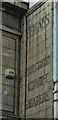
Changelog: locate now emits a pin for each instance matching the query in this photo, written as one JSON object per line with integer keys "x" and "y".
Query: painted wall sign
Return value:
{"x": 38, "y": 65}
{"x": 38, "y": 82}
{"x": 39, "y": 25}
{"x": 37, "y": 100}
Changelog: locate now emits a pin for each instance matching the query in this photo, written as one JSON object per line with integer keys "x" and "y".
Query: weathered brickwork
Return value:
{"x": 39, "y": 102}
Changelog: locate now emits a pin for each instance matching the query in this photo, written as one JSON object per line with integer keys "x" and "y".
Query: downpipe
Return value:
{"x": 55, "y": 92}
{"x": 25, "y": 71}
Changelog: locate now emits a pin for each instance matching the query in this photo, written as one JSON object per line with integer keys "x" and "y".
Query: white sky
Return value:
{"x": 31, "y": 1}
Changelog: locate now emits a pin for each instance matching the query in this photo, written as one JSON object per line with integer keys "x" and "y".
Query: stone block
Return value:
{"x": 10, "y": 90}
{"x": 0, "y": 107}
{"x": 7, "y": 107}
{"x": 5, "y": 61}
{"x": 5, "y": 41}
{"x": 0, "y": 88}
{"x": 0, "y": 51}
{"x": 49, "y": 111}
{"x": 11, "y": 63}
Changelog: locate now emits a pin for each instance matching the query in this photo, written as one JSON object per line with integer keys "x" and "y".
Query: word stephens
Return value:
{"x": 39, "y": 25}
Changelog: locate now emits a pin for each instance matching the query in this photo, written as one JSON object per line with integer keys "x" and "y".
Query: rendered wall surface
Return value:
{"x": 39, "y": 102}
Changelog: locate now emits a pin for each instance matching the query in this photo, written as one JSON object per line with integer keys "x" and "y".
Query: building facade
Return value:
{"x": 10, "y": 45}
{"x": 29, "y": 60}
{"x": 39, "y": 88}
